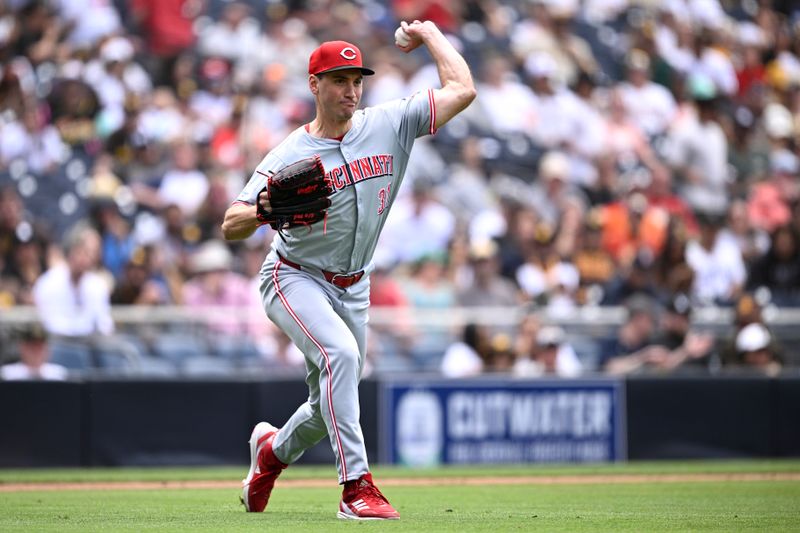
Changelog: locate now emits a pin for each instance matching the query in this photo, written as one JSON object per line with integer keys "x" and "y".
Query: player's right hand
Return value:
{"x": 416, "y": 32}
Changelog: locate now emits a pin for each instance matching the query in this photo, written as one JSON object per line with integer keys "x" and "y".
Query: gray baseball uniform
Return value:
{"x": 315, "y": 280}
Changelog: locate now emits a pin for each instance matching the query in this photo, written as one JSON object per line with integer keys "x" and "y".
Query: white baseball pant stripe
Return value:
{"x": 329, "y": 326}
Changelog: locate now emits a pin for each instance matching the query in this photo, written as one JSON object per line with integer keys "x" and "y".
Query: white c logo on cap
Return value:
{"x": 348, "y": 53}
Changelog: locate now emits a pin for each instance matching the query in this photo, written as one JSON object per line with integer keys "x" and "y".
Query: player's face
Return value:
{"x": 340, "y": 92}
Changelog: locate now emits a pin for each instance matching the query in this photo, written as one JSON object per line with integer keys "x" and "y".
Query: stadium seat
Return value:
{"x": 116, "y": 355}
{"x": 155, "y": 367}
{"x": 233, "y": 347}
{"x": 204, "y": 365}
{"x": 74, "y": 356}
{"x": 176, "y": 347}
{"x": 587, "y": 350}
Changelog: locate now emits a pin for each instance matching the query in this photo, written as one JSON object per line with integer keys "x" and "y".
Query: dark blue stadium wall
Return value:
{"x": 115, "y": 423}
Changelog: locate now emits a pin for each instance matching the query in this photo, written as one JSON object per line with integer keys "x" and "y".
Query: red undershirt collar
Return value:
{"x": 308, "y": 129}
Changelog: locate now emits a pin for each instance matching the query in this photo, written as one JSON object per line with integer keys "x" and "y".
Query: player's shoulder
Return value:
{"x": 397, "y": 103}
{"x": 392, "y": 109}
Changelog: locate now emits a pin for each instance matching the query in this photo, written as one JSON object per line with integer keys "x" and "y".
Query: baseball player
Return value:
{"x": 315, "y": 279}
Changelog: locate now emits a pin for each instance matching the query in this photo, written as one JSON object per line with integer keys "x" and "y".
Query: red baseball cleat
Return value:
{"x": 264, "y": 468}
{"x": 361, "y": 500}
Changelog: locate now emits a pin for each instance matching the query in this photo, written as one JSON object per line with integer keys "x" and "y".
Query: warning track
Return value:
{"x": 590, "y": 479}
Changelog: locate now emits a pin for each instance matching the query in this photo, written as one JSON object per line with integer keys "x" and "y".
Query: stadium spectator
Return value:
{"x": 26, "y": 262}
{"x": 698, "y": 148}
{"x": 445, "y": 13}
{"x": 671, "y": 272}
{"x": 751, "y": 73}
{"x": 117, "y": 243}
{"x": 596, "y": 267}
{"x": 552, "y": 190}
{"x": 688, "y": 348}
{"x": 137, "y": 285}
{"x": 184, "y": 185}
{"x": 779, "y": 269}
{"x": 429, "y": 290}
{"x": 651, "y": 106}
{"x": 33, "y": 361}
{"x": 634, "y": 279}
{"x": 467, "y": 356}
{"x": 214, "y": 285}
{"x": 72, "y": 298}
{"x": 469, "y": 193}
{"x": 85, "y": 31}
{"x": 632, "y": 226}
{"x": 752, "y": 242}
{"x": 36, "y": 33}
{"x": 550, "y": 278}
{"x": 715, "y": 259}
{"x": 418, "y": 225}
{"x": 673, "y": 344}
{"x": 235, "y": 36}
{"x": 746, "y": 311}
{"x": 24, "y": 248}
{"x": 631, "y": 347}
{"x": 585, "y": 147}
{"x": 32, "y": 140}
{"x": 556, "y": 114}
{"x": 508, "y": 104}
{"x": 546, "y": 31}
{"x": 212, "y": 102}
{"x": 501, "y": 357}
{"x": 167, "y": 27}
{"x": 73, "y": 301}
{"x": 754, "y": 350}
{"x": 551, "y": 355}
{"x": 116, "y": 77}
{"x": 625, "y": 141}
{"x": 488, "y": 288}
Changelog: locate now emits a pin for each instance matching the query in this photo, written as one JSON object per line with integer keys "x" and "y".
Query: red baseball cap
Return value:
{"x": 336, "y": 55}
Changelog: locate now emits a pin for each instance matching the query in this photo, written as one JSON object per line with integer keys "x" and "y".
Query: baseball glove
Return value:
{"x": 298, "y": 195}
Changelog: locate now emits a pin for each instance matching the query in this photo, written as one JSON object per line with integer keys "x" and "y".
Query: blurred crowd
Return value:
{"x": 625, "y": 153}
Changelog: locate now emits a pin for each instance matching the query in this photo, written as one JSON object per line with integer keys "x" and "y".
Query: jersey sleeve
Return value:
{"x": 269, "y": 165}
{"x": 412, "y": 117}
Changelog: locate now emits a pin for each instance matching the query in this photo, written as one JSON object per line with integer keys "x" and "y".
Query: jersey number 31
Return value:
{"x": 383, "y": 198}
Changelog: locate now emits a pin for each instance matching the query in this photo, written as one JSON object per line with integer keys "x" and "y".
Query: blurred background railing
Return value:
{"x": 174, "y": 341}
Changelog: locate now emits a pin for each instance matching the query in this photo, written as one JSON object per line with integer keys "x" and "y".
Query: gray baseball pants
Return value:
{"x": 329, "y": 325}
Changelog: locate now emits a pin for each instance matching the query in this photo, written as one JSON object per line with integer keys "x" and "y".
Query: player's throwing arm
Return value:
{"x": 458, "y": 89}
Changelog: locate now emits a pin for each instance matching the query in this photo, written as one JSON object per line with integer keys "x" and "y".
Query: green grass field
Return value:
{"x": 650, "y": 505}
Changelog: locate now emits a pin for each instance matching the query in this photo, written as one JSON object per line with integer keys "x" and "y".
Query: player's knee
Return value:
{"x": 346, "y": 361}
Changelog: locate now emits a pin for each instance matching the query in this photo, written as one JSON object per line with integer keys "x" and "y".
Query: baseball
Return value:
{"x": 401, "y": 38}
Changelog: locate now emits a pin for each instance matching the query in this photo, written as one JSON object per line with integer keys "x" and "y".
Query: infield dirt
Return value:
{"x": 588, "y": 479}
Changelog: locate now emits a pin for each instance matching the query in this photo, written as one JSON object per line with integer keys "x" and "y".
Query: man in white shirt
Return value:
{"x": 418, "y": 225}
{"x": 698, "y": 149}
{"x": 33, "y": 354}
{"x": 650, "y": 105}
{"x": 72, "y": 299}
{"x": 719, "y": 270}
{"x": 508, "y": 104}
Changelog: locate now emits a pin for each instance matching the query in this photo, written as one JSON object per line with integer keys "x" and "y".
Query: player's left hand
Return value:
{"x": 296, "y": 195}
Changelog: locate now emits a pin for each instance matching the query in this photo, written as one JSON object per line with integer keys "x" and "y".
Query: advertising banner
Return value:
{"x": 426, "y": 422}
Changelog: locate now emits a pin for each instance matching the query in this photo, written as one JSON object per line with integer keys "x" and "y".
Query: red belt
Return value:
{"x": 340, "y": 280}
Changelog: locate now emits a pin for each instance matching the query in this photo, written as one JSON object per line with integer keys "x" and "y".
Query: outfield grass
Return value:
{"x": 699, "y": 506}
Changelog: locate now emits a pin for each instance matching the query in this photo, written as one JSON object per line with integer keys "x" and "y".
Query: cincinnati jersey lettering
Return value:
{"x": 365, "y": 168}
